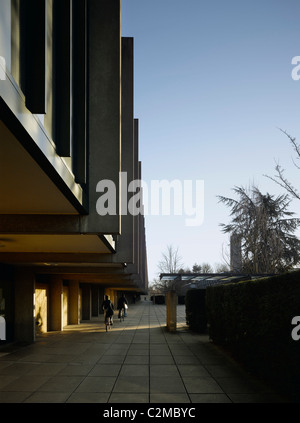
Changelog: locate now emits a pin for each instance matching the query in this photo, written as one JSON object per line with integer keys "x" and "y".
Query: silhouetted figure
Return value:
{"x": 108, "y": 308}
{"x": 122, "y": 305}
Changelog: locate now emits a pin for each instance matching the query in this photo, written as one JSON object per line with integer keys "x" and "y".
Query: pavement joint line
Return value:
{"x": 124, "y": 359}
{"x": 186, "y": 391}
{"x": 189, "y": 348}
{"x": 146, "y": 329}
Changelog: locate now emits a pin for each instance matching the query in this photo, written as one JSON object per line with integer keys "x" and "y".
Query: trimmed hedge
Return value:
{"x": 158, "y": 299}
{"x": 252, "y": 320}
{"x": 196, "y": 310}
{"x": 181, "y": 299}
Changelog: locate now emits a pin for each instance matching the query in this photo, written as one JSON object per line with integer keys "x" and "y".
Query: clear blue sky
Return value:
{"x": 212, "y": 86}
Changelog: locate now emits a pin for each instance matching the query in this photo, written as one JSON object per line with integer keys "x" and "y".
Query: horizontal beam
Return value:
{"x": 14, "y": 258}
{"x": 39, "y": 224}
{"x": 82, "y": 276}
{"x": 109, "y": 273}
{"x": 46, "y": 224}
{"x": 51, "y": 224}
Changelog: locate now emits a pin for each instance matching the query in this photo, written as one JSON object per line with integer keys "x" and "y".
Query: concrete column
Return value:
{"x": 171, "y": 311}
{"x": 126, "y": 241}
{"x": 86, "y": 302}
{"x": 104, "y": 105}
{"x": 74, "y": 310}
{"x": 101, "y": 298}
{"x": 95, "y": 300}
{"x": 134, "y": 268}
{"x": 56, "y": 304}
{"x": 24, "y": 330}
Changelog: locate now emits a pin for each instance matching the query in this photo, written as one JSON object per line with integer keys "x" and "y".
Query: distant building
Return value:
{"x": 235, "y": 253}
{"x": 189, "y": 281}
{"x": 66, "y": 124}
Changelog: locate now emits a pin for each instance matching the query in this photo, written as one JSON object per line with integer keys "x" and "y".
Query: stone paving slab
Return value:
{"x": 137, "y": 361}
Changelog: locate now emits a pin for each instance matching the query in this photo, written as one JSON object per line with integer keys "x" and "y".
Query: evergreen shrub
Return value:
{"x": 195, "y": 310}
{"x": 159, "y": 299}
{"x": 253, "y": 320}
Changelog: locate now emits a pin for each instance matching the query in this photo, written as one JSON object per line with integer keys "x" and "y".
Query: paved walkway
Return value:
{"x": 138, "y": 361}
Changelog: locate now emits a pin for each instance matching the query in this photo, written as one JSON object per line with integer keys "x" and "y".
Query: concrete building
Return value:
{"x": 67, "y": 133}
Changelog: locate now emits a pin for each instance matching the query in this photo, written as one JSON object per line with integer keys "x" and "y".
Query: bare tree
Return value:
{"x": 156, "y": 286}
{"x": 171, "y": 261}
{"x": 221, "y": 268}
{"x": 206, "y": 268}
{"x": 280, "y": 178}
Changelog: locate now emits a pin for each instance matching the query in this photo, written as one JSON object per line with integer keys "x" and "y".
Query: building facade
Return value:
{"x": 68, "y": 151}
